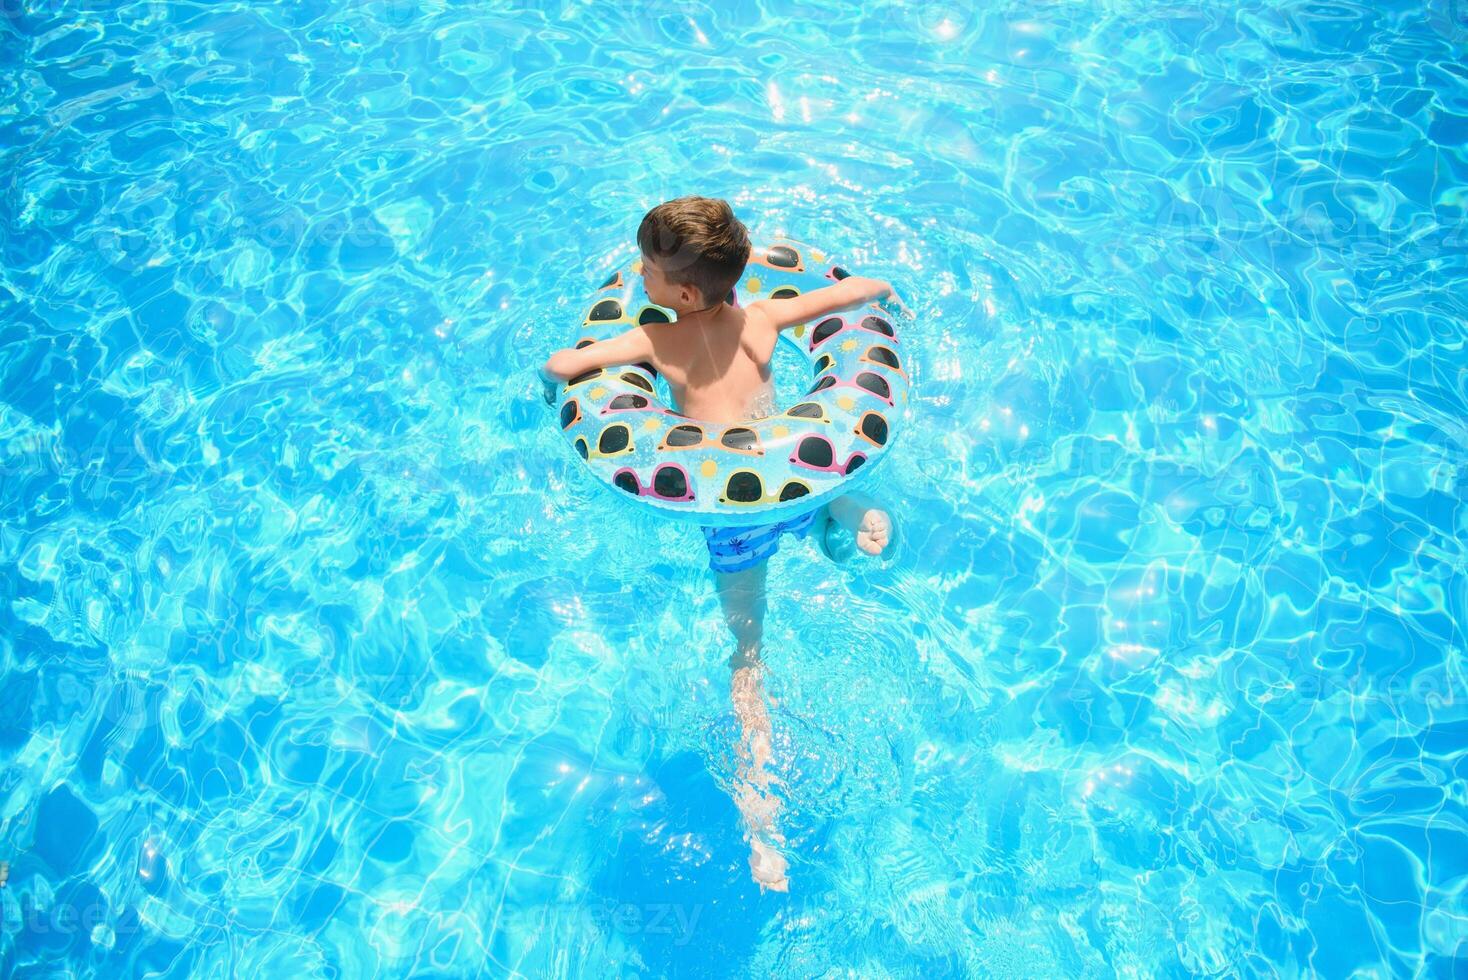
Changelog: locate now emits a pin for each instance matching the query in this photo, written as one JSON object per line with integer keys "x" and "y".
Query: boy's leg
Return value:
{"x": 742, "y": 595}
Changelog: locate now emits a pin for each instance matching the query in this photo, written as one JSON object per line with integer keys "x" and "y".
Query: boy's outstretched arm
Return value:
{"x": 631, "y": 347}
{"x": 846, "y": 294}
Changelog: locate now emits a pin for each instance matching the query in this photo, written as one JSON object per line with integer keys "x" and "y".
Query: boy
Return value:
{"x": 716, "y": 360}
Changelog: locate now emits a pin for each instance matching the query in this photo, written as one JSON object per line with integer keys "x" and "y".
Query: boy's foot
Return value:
{"x": 869, "y": 525}
{"x": 768, "y": 866}
{"x": 759, "y": 811}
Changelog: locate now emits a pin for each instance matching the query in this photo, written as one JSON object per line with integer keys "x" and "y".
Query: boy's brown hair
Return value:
{"x": 696, "y": 241}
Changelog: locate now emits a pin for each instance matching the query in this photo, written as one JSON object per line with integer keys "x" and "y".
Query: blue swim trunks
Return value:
{"x": 733, "y": 549}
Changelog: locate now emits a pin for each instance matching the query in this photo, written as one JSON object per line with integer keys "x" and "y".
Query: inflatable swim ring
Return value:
{"x": 754, "y": 472}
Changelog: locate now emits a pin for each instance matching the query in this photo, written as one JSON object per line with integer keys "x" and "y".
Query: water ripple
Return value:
{"x": 319, "y": 656}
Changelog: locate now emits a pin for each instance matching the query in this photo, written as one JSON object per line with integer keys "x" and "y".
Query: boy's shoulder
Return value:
{"x": 745, "y": 319}
{"x": 755, "y": 315}
{"x": 742, "y": 317}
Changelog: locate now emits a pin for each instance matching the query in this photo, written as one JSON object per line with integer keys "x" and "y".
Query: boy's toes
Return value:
{"x": 769, "y": 867}
{"x": 876, "y": 528}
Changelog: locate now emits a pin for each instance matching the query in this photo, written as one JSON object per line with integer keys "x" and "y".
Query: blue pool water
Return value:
{"x": 321, "y": 657}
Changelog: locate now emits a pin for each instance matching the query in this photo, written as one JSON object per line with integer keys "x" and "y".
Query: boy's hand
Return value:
{"x": 550, "y": 388}
{"x": 893, "y": 300}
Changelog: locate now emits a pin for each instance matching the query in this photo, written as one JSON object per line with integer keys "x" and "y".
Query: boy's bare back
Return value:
{"x": 718, "y": 366}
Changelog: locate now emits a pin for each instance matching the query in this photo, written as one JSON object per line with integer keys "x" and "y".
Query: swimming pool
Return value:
{"x": 323, "y": 658}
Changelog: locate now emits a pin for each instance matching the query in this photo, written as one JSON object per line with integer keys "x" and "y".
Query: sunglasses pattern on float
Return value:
{"x": 585, "y": 376}
{"x": 883, "y": 357}
{"x": 866, "y": 381}
{"x": 612, "y": 311}
{"x": 690, "y": 436}
{"x": 669, "y": 482}
{"x": 570, "y": 414}
{"x": 614, "y": 281}
{"x": 872, "y": 426}
{"x": 807, "y": 411}
{"x": 781, "y": 257}
{"x": 614, "y": 440}
{"x": 745, "y": 488}
{"x": 626, "y": 403}
{"x": 605, "y": 311}
{"x": 833, "y": 325}
{"x": 818, "y": 453}
{"x": 636, "y": 380}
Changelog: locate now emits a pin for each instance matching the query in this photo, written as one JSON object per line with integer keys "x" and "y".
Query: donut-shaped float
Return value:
{"x": 755, "y": 472}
